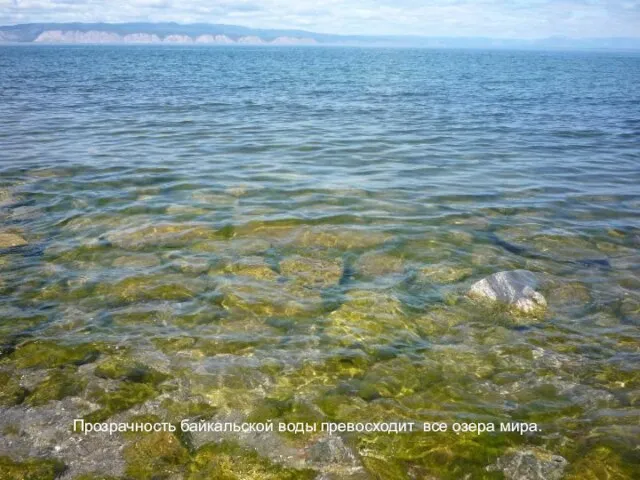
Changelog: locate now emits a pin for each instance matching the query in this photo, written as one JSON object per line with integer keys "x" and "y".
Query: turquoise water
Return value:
{"x": 288, "y": 234}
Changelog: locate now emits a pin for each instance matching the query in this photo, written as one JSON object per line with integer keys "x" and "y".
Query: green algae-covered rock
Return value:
{"x": 441, "y": 320}
{"x": 11, "y": 393}
{"x": 161, "y": 235}
{"x": 150, "y": 288}
{"x": 267, "y": 299}
{"x": 602, "y": 462}
{"x": 228, "y": 461}
{"x": 393, "y": 378}
{"x": 60, "y": 383}
{"x": 123, "y": 367}
{"x": 49, "y": 354}
{"x": 312, "y": 272}
{"x": 81, "y": 256}
{"x": 443, "y": 273}
{"x": 339, "y": 237}
{"x": 154, "y": 456}
{"x": 193, "y": 409}
{"x": 369, "y": 316}
{"x": 204, "y": 347}
{"x": 286, "y": 411}
{"x": 442, "y": 456}
{"x": 313, "y": 377}
{"x": 254, "y": 267}
{"x": 127, "y": 395}
{"x": 385, "y": 468}
{"x": 31, "y": 469}
{"x": 375, "y": 264}
{"x": 95, "y": 476}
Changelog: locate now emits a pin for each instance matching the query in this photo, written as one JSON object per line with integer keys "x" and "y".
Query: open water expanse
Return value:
{"x": 287, "y": 235}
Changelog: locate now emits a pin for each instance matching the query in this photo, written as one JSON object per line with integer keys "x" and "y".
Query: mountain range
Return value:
{"x": 174, "y": 33}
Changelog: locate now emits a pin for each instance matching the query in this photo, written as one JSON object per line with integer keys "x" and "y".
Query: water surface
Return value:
{"x": 287, "y": 234}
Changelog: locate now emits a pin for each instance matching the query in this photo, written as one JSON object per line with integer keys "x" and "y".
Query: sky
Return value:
{"x": 450, "y": 18}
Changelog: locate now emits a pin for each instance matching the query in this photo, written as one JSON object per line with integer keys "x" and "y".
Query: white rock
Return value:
{"x": 515, "y": 287}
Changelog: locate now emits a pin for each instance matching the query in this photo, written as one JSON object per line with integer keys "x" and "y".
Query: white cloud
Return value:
{"x": 495, "y": 18}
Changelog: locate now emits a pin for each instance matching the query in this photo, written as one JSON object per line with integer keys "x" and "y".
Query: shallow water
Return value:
{"x": 288, "y": 234}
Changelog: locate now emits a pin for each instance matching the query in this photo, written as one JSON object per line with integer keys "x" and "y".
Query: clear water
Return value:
{"x": 298, "y": 227}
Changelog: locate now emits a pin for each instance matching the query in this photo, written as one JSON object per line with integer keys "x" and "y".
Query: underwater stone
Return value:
{"x": 137, "y": 261}
{"x": 58, "y": 384}
{"x": 186, "y": 210}
{"x": 530, "y": 464}
{"x": 569, "y": 294}
{"x": 32, "y": 469}
{"x": 440, "y": 273}
{"x": 332, "y": 451}
{"x": 9, "y": 240}
{"x": 254, "y": 267}
{"x": 171, "y": 234}
{"x": 312, "y": 271}
{"x": 369, "y": 316}
{"x": 155, "y": 456}
{"x": 122, "y": 367}
{"x": 125, "y": 397}
{"x": 373, "y": 264}
{"x": 339, "y": 238}
{"x": 229, "y": 461}
{"x": 515, "y": 287}
{"x": 194, "y": 265}
{"x": 602, "y": 462}
{"x": 95, "y": 476}
{"x": 150, "y": 288}
{"x": 47, "y": 354}
{"x": 263, "y": 300}
{"x": 11, "y": 393}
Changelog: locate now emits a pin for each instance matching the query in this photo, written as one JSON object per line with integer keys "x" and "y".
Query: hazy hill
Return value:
{"x": 159, "y": 33}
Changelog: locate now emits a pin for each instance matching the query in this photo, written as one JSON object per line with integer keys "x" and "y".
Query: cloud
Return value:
{"x": 495, "y": 18}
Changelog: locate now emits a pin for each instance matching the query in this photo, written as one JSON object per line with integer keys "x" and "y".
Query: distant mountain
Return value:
{"x": 200, "y": 33}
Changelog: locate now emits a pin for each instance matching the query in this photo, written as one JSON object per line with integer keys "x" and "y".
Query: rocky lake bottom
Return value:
{"x": 153, "y": 313}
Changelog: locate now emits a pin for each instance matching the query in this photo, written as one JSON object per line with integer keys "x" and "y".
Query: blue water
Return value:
{"x": 126, "y": 170}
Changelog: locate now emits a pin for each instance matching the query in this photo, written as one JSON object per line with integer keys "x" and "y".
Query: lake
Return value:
{"x": 285, "y": 236}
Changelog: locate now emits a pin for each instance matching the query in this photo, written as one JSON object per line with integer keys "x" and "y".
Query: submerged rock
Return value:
{"x": 331, "y": 451}
{"x": 11, "y": 392}
{"x": 58, "y": 384}
{"x": 443, "y": 273}
{"x": 530, "y": 464}
{"x": 342, "y": 239}
{"x": 312, "y": 272}
{"x": 570, "y": 294}
{"x": 145, "y": 260}
{"x": 33, "y": 468}
{"x": 10, "y": 240}
{"x": 369, "y": 316}
{"x": 228, "y": 460}
{"x": 168, "y": 234}
{"x": 151, "y": 288}
{"x": 254, "y": 267}
{"x": 375, "y": 264}
{"x": 515, "y": 287}
{"x": 155, "y": 455}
